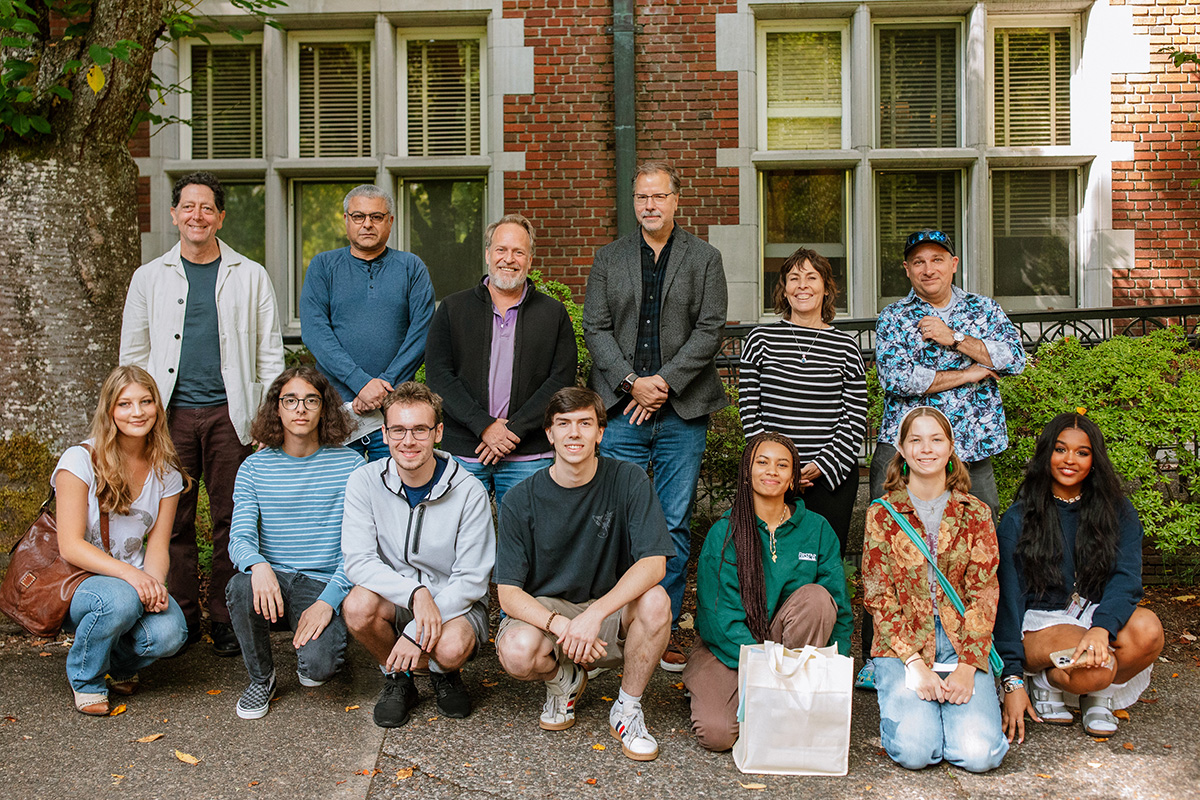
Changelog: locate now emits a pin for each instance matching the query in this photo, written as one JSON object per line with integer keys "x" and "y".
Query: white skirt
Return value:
{"x": 1123, "y": 694}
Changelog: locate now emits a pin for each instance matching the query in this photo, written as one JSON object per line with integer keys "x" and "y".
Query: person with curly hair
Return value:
{"x": 117, "y": 494}
{"x": 937, "y": 698}
{"x": 287, "y": 534}
{"x": 1070, "y": 580}
{"x": 770, "y": 569}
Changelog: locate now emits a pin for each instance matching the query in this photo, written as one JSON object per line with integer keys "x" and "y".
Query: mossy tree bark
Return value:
{"x": 69, "y": 238}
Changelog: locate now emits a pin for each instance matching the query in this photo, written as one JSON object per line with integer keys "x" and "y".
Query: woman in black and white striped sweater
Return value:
{"x": 805, "y": 379}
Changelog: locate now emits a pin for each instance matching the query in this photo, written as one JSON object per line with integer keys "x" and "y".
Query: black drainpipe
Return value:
{"x": 623, "y": 112}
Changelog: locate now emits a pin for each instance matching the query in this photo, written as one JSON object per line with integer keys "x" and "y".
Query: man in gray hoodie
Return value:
{"x": 419, "y": 546}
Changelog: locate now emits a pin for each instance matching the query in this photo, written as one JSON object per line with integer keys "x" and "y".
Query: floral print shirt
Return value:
{"x": 907, "y": 365}
{"x": 896, "y": 586}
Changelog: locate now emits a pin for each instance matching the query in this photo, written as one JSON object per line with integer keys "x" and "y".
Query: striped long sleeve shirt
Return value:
{"x": 287, "y": 511}
{"x": 808, "y": 384}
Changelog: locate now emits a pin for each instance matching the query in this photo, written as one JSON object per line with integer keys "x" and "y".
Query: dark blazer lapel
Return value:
{"x": 679, "y": 250}
{"x": 629, "y": 267}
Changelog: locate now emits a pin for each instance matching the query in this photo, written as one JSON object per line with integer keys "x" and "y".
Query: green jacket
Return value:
{"x": 807, "y": 550}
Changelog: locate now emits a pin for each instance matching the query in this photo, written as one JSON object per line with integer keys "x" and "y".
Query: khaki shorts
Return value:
{"x": 476, "y": 617}
{"x": 610, "y": 630}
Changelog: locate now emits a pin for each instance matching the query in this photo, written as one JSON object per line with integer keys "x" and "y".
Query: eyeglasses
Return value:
{"x": 358, "y": 218}
{"x": 419, "y": 432}
{"x": 311, "y": 401}
{"x": 642, "y": 199}
{"x": 935, "y": 237}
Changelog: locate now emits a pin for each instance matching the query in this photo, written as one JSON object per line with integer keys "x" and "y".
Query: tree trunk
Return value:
{"x": 68, "y": 245}
{"x": 69, "y": 238}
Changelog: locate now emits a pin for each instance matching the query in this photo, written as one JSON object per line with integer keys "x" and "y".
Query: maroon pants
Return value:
{"x": 806, "y": 617}
{"x": 209, "y": 447}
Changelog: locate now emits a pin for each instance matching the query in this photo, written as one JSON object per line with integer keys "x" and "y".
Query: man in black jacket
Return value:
{"x": 496, "y": 354}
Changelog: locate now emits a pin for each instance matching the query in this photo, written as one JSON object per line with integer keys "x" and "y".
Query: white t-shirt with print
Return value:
{"x": 126, "y": 532}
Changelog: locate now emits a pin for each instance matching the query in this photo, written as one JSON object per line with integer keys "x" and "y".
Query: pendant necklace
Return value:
{"x": 771, "y": 534}
{"x": 796, "y": 335}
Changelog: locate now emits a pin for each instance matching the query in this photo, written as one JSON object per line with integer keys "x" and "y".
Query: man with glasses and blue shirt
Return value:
{"x": 943, "y": 347}
{"x": 419, "y": 545}
{"x": 652, "y": 318}
{"x": 364, "y": 313}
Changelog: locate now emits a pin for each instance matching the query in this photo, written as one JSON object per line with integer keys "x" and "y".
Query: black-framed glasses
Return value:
{"x": 419, "y": 432}
{"x": 931, "y": 236}
{"x": 642, "y": 199}
{"x": 358, "y": 218}
{"x": 311, "y": 401}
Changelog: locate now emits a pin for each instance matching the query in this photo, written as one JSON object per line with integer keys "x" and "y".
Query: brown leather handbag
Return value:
{"x": 38, "y": 587}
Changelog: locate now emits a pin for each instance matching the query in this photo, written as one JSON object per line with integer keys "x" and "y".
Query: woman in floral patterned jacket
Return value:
{"x": 937, "y": 698}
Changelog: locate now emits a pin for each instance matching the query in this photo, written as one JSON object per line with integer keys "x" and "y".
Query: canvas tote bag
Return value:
{"x": 793, "y": 710}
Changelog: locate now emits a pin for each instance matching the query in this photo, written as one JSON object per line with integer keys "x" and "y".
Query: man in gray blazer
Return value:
{"x": 652, "y": 319}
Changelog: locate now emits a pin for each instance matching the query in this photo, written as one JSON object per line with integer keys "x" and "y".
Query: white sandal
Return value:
{"x": 1048, "y": 702}
{"x": 1098, "y": 719}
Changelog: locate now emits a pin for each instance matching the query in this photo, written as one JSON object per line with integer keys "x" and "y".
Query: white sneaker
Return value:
{"x": 558, "y": 712}
{"x": 627, "y": 723}
{"x": 307, "y": 681}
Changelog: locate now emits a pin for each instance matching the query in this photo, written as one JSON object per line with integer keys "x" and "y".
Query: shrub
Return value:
{"x": 1144, "y": 393}
{"x": 562, "y": 293}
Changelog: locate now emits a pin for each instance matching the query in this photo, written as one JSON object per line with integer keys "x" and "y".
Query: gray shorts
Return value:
{"x": 476, "y": 617}
{"x": 610, "y": 630}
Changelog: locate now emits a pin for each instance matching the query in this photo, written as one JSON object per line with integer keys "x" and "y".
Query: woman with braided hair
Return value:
{"x": 769, "y": 570}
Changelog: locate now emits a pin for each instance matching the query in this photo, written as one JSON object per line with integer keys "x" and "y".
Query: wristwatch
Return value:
{"x": 626, "y": 386}
{"x": 959, "y": 338}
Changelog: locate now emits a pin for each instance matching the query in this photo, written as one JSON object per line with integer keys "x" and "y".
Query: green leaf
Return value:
{"x": 100, "y": 55}
{"x": 40, "y": 124}
{"x": 25, "y": 26}
{"x": 61, "y": 91}
{"x": 71, "y": 66}
{"x": 76, "y": 29}
{"x": 20, "y": 124}
{"x": 13, "y": 41}
{"x": 23, "y": 96}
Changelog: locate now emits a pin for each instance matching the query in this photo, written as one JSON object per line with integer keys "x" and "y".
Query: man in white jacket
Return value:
{"x": 201, "y": 320}
{"x": 419, "y": 546}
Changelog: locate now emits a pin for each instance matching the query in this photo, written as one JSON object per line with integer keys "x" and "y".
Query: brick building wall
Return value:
{"x": 686, "y": 109}
{"x": 1155, "y": 193}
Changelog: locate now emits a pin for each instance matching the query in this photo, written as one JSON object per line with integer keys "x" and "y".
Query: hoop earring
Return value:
{"x": 904, "y": 468}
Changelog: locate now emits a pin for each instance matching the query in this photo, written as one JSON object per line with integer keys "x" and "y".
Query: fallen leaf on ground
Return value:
{"x": 43, "y": 654}
{"x": 1148, "y": 700}
{"x": 432, "y": 719}
{"x": 1128, "y": 745}
{"x": 39, "y": 643}
{"x": 1174, "y": 674}
{"x": 186, "y": 758}
{"x": 154, "y": 737}
{"x": 679, "y": 685}
{"x": 1100, "y": 739}
{"x": 597, "y": 747}
{"x": 371, "y": 772}
{"x": 1167, "y": 746}
{"x": 590, "y": 781}
{"x": 116, "y": 778}
{"x": 1184, "y": 597}
{"x": 252, "y": 784}
{"x": 214, "y": 691}
{"x": 353, "y": 708}
{"x": 401, "y": 774}
{"x": 490, "y": 684}
{"x": 1121, "y": 713}
{"x": 1043, "y": 775}
{"x": 1187, "y": 637}
{"x": 754, "y": 786}
{"x": 118, "y": 710}
{"x": 606, "y": 699}
{"x": 1094, "y": 764}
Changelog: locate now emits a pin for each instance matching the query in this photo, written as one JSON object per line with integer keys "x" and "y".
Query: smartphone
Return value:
{"x": 1063, "y": 658}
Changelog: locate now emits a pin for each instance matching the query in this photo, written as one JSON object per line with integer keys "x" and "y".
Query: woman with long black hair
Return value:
{"x": 769, "y": 569}
{"x": 1070, "y": 582}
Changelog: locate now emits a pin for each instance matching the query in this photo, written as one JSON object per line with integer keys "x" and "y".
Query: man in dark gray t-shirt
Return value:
{"x": 582, "y": 548}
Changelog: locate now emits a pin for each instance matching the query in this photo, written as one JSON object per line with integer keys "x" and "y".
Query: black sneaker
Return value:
{"x": 452, "y": 698}
{"x": 256, "y": 700}
{"x": 225, "y": 642}
{"x": 396, "y": 701}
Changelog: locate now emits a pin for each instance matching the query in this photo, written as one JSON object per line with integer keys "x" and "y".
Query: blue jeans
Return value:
{"x": 372, "y": 446}
{"x": 498, "y": 478}
{"x": 917, "y": 733}
{"x": 318, "y": 658}
{"x": 673, "y": 447}
{"x": 115, "y": 635}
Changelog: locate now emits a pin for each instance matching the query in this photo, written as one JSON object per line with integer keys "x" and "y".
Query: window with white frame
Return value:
{"x": 333, "y": 91}
{"x": 1031, "y": 86}
{"x": 1033, "y": 236}
{"x": 443, "y": 95}
{"x": 802, "y": 88}
{"x": 913, "y": 157}
{"x": 224, "y": 100}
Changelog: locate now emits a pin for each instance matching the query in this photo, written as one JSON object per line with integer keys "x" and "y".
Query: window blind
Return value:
{"x": 1033, "y": 232}
{"x": 907, "y": 202}
{"x": 444, "y": 97}
{"x": 1032, "y": 72}
{"x": 804, "y": 90}
{"x": 335, "y": 99}
{"x": 918, "y": 94}
{"x": 227, "y": 106}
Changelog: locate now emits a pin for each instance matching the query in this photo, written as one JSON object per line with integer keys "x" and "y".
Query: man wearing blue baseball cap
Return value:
{"x": 943, "y": 347}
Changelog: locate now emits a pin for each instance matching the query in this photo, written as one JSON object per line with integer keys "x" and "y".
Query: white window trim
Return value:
{"x": 960, "y": 23}
{"x": 295, "y": 39}
{"x": 185, "y": 84}
{"x": 1001, "y": 21}
{"x": 801, "y": 26}
{"x": 402, "y": 38}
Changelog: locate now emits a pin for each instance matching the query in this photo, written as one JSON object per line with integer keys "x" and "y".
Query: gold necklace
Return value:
{"x": 771, "y": 534}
